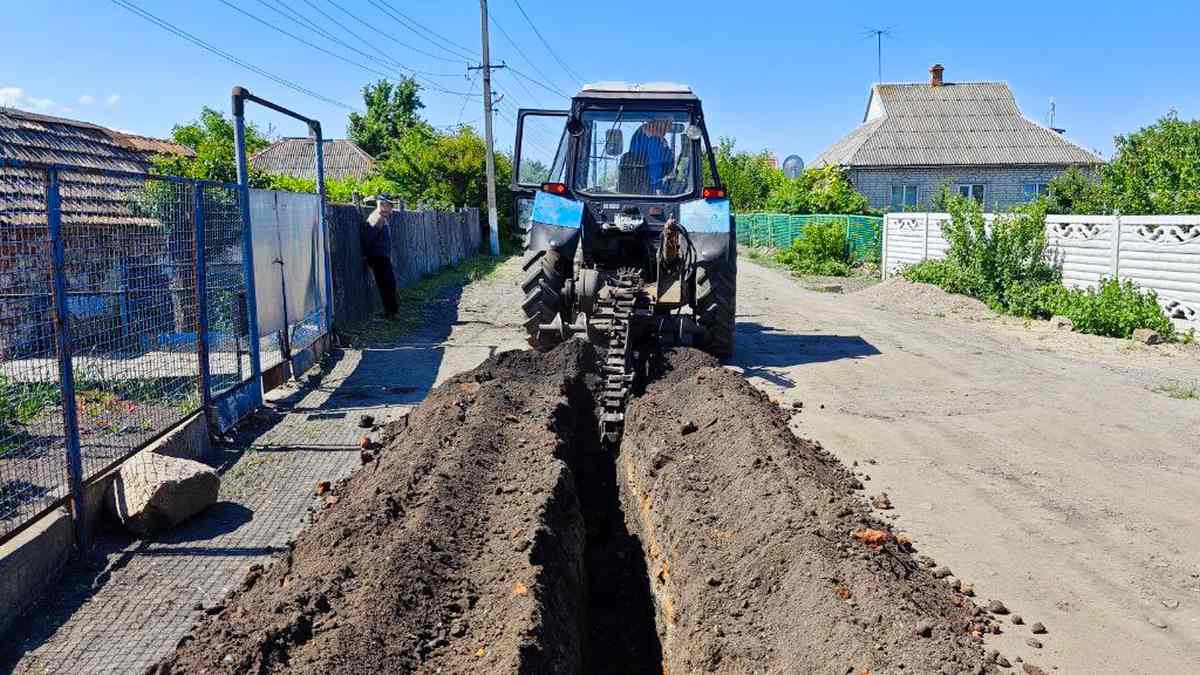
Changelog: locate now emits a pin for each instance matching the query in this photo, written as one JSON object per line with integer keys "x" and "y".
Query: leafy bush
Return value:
{"x": 990, "y": 264}
{"x": 1006, "y": 267}
{"x": 824, "y": 189}
{"x": 822, "y": 249}
{"x": 1114, "y": 308}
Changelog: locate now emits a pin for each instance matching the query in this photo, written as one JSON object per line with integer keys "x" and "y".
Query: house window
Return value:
{"x": 972, "y": 190}
{"x": 1034, "y": 190}
{"x": 904, "y": 197}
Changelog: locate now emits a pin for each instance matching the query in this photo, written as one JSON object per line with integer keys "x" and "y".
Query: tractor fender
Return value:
{"x": 710, "y": 226}
{"x": 555, "y": 224}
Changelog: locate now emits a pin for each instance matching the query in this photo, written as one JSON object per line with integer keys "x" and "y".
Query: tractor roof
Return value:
{"x": 643, "y": 90}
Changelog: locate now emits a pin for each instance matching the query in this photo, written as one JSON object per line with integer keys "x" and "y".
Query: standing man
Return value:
{"x": 377, "y": 248}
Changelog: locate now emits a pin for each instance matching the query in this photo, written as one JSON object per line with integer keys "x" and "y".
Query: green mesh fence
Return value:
{"x": 779, "y": 230}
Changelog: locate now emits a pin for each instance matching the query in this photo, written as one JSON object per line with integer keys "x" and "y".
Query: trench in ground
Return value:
{"x": 622, "y": 636}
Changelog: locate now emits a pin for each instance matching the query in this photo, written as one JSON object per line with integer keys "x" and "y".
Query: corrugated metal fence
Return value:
{"x": 779, "y": 230}
{"x": 1160, "y": 253}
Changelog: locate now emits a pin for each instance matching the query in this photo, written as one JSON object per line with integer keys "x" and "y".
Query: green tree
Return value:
{"x": 1156, "y": 169}
{"x": 392, "y": 109}
{"x": 1074, "y": 191}
{"x": 447, "y": 170}
{"x": 211, "y": 136}
{"x": 824, "y": 189}
{"x": 748, "y": 177}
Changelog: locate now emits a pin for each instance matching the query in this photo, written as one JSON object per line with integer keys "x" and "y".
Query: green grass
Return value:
{"x": 414, "y": 300}
{"x": 1179, "y": 390}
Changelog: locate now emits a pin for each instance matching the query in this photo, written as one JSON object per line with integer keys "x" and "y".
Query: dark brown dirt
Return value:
{"x": 493, "y": 534}
{"x": 763, "y": 556}
{"x": 459, "y": 550}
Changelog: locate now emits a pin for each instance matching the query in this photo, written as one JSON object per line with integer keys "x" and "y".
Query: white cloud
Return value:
{"x": 112, "y": 99}
{"x": 15, "y": 97}
{"x": 87, "y": 99}
{"x": 67, "y": 110}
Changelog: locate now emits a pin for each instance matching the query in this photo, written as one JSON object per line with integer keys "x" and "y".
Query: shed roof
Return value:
{"x": 294, "y": 157}
{"x": 954, "y": 124}
{"x": 32, "y": 137}
{"x": 87, "y": 200}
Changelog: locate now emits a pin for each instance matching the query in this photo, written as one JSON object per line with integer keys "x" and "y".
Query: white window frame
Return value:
{"x": 907, "y": 190}
{"x": 1039, "y": 189}
{"x": 968, "y": 190}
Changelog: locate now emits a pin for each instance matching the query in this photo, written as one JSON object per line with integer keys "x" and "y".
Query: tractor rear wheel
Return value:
{"x": 545, "y": 273}
{"x": 716, "y": 307}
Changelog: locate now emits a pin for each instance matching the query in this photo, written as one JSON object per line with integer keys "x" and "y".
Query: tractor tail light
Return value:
{"x": 555, "y": 188}
{"x": 713, "y": 193}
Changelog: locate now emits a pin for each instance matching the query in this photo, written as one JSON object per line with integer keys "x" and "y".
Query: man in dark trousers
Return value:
{"x": 377, "y": 248}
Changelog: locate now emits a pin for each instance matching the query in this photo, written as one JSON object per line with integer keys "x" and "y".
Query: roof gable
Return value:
{"x": 294, "y": 157}
{"x": 955, "y": 124}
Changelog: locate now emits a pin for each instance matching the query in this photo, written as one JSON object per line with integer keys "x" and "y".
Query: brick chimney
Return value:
{"x": 935, "y": 75}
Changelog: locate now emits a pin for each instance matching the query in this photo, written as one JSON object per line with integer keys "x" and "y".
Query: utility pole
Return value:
{"x": 486, "y": 67}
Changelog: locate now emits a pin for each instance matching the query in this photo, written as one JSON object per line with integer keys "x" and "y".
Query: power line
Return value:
{"x": 179, "y": 32}
{"x": 432, "y": 85}
{"x": 520, "y": 51}
{"x": 367, "y": 24}
{"x": 531, "y": 80}
{"x": 570, "y": 73}
{"x": 405, "y": 20}
{"x": 304, "y": 21}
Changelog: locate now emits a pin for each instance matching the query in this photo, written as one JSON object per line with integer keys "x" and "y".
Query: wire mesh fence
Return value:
{"x": 779, "y": 230}
{"x": 228, "y": 318}
{"x": 130, "y": 269}
{"x": 126, "y": 306}
{"x": 32, "y": 441}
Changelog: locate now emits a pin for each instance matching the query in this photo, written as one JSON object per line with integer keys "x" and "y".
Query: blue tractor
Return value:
{"x": 629, "y": 240}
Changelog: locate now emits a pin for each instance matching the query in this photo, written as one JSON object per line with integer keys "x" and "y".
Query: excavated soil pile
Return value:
{"x": 459, "y": 549}
{"x": 763, "y": 559}
{"x": 493, "y": 534}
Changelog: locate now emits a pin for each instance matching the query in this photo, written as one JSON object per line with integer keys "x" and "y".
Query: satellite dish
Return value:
{"x": 793, "y": 166}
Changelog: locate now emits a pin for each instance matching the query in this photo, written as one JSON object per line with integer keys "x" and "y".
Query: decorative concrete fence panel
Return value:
{"x": 1159, "y": 253}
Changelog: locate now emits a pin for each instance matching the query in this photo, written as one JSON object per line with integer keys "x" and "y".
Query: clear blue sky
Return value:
{"x": 788, "y": 76}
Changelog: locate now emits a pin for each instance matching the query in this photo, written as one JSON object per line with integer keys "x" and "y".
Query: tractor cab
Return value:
{"x": 629, "y": 238}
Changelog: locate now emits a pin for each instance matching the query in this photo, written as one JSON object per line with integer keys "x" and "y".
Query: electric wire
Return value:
{"x": 520, "y": 51}
{"x": 180, "y": 33}
{"x": 431, "y": 85}
{"x": 567, "y": 69}
{"x": 405, "y": 20}
{"x": 304, "y": 21}
{"x": 388, "y": 37}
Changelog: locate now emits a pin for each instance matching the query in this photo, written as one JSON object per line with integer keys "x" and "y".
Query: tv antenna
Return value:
{"x": 879, "y": 33}
{"x": 1050, "y": 116}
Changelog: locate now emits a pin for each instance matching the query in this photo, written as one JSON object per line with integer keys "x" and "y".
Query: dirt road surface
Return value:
{"x": 1041, "y": 467}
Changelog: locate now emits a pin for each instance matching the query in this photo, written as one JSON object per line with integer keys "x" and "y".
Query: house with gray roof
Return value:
{"x": 294, "y": 157}
{"x": 968, "y": 136}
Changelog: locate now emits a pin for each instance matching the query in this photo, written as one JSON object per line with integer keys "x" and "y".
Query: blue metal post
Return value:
{"x": 316, "y": 130}
{"x": 205, "y": 382}
{"x": 66, "y": 372}
{"x": 239, "y": 129}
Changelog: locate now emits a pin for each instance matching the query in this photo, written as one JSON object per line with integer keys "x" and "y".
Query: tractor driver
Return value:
{"x": 649, "y": 147}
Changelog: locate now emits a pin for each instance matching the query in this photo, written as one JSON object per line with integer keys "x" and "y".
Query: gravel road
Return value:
{"x": 1042, "y": 467}
{"x": 1039, "y": 466}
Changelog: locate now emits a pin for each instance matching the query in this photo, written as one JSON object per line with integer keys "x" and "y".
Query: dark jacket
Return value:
{"x": 376, "y": 238}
